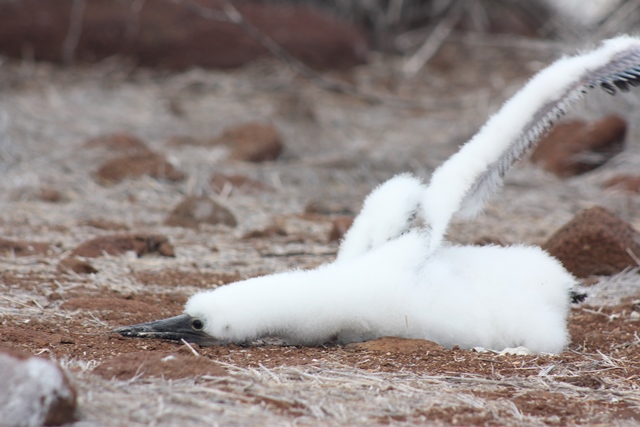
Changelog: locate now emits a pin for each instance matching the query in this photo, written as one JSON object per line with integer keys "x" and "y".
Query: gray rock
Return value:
{"x": 34, "y": 392}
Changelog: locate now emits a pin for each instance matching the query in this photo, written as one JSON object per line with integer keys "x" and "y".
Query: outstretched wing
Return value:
{"x": 467, "y": 179}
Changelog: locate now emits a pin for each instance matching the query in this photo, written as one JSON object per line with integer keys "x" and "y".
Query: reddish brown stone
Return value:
{"x": 34, "y": 392}
{"x": 105, "y": 224}
{"x": 20, "y": 248}
{"x": 171, "y": 35}
{"x": 269, "y": 231}
{"x": 44, "y": 194}
{"x": 126, "y": 167}
{"x": 120, "y": 244}
{"x": 629, "y": 183}
{"x": 252, "y": 142}
{"x": 576, "y": 147}
{"x": 340, "y": 227}
{"x": 164, "y": 248}
{"x": 76, "y": 265}
{"x": 595, "y": 242}
{"x": 193, "y": 211}
{"x": 123, "y": 143}
{"x": 239, "y": 183}
{"x": 51, "y": 195}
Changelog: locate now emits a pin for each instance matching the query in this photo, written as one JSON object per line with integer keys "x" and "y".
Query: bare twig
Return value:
{"x": 633, "y": 256}
{"x": 613, "y": 23}
{"x": 394, "y": 12}
{"x": 433, "y": 43}
{"x": 133, "y": 25}
{"x": 193, "y": 350}
{"x": 75, "y": 30}
{"x": 230, "y": 13}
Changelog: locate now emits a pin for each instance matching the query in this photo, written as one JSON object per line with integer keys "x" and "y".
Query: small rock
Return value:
{"x": 230, "y": 183}
{"x": 44, "y": 194}
{"x": 193, "y": 211}
{"x": 595, "y": 242}
{"x": 35, "y": 392}
{"x": 252, "y": 142}
{"x": 630, "y": 183}
{"x": 123, "y": 143}
{"x": 51, "y": 195}
{"x": 134, "y": 166}
{"x": 21, "y": 248}
{"x": 54, "y": 296}
{"x": 76, "y": 265}
{"x": 104, "y": 224}
{"x": 165, "y": 249}
{"x": 141, "y": 244}
{"x": 576, "y": 147}
{"x": 340, "y": 227}
{"x": 272, "y": 230}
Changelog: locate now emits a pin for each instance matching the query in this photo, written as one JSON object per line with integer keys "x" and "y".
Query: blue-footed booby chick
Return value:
{"x": 392, "y": 278}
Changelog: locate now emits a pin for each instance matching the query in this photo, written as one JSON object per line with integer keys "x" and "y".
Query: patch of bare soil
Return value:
{"x": 168, "y": 365}
{"x": 172, "y": 278}
{"x": 76, "y": 265}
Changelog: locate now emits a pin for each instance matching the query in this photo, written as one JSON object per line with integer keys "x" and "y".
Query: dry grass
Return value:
{"x": 334, "y": 394}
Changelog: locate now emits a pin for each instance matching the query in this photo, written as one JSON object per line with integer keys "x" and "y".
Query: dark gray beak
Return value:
{"x": 183, "y": 327}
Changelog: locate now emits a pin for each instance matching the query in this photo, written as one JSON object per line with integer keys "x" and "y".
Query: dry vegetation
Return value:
{"x": 337, "y": 148}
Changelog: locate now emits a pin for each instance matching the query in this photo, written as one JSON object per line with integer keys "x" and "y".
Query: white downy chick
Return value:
{"x": 392, "y": 279}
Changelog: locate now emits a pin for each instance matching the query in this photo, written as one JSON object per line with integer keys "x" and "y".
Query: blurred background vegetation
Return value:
{"x": 323, "y": 34}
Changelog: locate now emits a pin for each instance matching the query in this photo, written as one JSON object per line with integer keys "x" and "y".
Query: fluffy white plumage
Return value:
{"x": 469, "y": 296}
{"x": 390, "y": 279}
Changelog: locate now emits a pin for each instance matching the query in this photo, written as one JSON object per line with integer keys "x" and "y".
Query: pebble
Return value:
{"x": 193, "y": 211}
{"x": 252, "y": 142}
{"x": 140, "y": 244}
{"x": 339, "y": 227}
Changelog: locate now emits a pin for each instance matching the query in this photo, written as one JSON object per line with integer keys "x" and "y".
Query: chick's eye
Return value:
{"x": 197, "y": 324}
